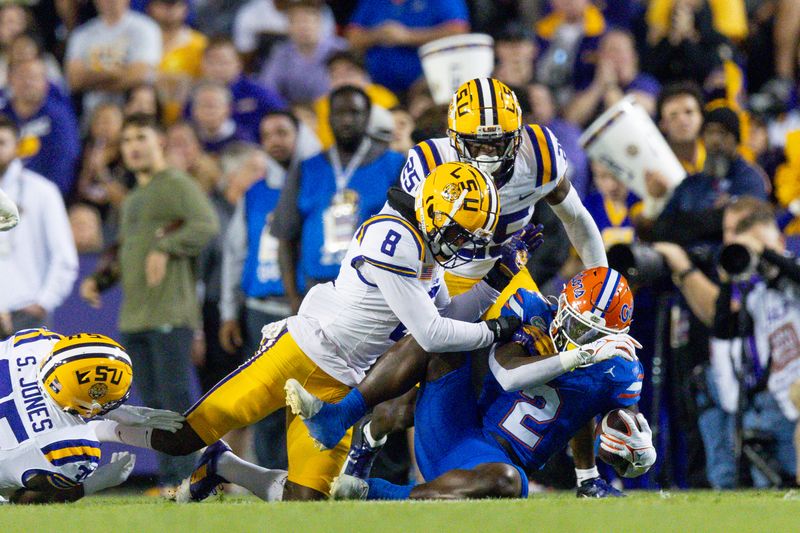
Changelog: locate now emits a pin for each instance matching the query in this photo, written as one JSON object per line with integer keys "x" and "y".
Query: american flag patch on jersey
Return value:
{"x": 427, "y": 272}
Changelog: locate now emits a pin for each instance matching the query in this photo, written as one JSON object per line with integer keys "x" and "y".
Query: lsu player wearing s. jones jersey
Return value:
{"x": 527, "y": 163}
{"x": 391, "y": 275}
{"x": 50, "y": 387}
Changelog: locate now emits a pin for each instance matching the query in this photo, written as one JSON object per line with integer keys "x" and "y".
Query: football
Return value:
{"x": 612, "y": 419}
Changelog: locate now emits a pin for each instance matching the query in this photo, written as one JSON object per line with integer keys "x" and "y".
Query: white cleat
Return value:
{"x": 300, "y": 401}
{"x": 346, "y": 487}
{"x": 182, "y": 493}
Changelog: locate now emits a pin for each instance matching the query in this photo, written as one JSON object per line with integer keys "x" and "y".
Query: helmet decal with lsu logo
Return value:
{"x": 594, "y": 303}
{"x": 456, "y": 206}
{"x": 484, "y": 125}
{"x": 87, "y": 374}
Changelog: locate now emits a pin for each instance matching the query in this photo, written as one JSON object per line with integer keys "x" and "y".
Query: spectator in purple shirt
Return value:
{"x": 251, "y": 101}
{"x": 211, "y": 117}
{"x": 296, "y": 68}
{"x": 616, "y": 75}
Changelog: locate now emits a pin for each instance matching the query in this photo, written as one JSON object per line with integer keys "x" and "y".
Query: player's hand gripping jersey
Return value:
{"x": 529, "y": 165}
{"x": 36, "y": 436}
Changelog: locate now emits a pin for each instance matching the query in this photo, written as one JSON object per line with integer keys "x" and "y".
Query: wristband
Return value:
{"x": 680, "y": 277}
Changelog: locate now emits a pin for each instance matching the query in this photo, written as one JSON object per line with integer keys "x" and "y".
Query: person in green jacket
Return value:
{"x": 166, "y": 222}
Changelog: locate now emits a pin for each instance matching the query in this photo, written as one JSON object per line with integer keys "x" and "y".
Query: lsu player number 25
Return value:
{"x": 527, "y": 164}
{"x": 53, "y": 391}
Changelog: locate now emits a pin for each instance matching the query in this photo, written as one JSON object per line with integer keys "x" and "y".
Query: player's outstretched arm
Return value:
{"x": 9, "y": 214}
{"x": 39, "y": 489}
{"x": 514, "y": 368}
{"x": 579, "y": 224}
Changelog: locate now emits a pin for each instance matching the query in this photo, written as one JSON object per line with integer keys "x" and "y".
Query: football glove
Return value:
{"x": 145, "y": 417}
{"x": 514, "y": 256}
{"x": 637, "y": 448}
{"x": 111, "y": 474}
{"x": 9, "y": 214}
{"x": 503, "y": 327}
{"x": 619, "y": 344}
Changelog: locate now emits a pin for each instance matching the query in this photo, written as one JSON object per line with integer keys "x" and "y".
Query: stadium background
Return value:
{"x": 741, "y": 54}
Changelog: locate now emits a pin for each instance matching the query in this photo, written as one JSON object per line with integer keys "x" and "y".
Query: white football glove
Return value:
{"x": 619, "y": 344}
{"x": 111, "y": 474}
{"x": 128, "y": 415}
{"x": 637, "y": 448}
{"x": 9, "y": 214}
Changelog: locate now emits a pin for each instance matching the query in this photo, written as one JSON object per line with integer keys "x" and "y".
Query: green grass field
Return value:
{"x": 645, "y": 512}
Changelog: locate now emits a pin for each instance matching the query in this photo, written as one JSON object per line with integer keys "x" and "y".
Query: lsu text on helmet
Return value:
{"x": 87, "y": 374}
{"x": 457, "y": 206}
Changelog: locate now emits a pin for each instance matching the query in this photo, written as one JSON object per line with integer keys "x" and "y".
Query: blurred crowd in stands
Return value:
{"x": 265, "y": 103}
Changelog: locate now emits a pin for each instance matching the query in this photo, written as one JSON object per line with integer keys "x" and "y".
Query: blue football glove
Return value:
{"x": 514, "y": 256}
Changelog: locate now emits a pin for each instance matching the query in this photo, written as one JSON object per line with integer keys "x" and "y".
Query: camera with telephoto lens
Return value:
{"x": 640, "y": 263}
{"x": 737, "y": 261}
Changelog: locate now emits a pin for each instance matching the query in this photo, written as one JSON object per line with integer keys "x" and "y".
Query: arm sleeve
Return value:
{"x": 62, "y": 270}
{"x": 234, "y": 253}
{"x": 469, "y": 306}
{"x": 407, "y": 298}
{"x": 730, "y": 324}
{"x": 581, "y": 230}
{"x": 287, "y": 224}
{"x": 529, "y": 375}
{"x": 188, "y": 203}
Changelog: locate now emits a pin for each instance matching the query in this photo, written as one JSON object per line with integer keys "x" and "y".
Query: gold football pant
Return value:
{"x": 255, "y": 390}
{"x": 457, "y": 285}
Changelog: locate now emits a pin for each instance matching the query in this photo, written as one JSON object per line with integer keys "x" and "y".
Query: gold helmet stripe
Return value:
{"x": 95, "y": 353}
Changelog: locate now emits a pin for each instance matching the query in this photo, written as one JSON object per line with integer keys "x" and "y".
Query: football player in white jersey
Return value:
{"x": 527, "y": 164}
{"x": 390, "y": 281}
{"x": 9, "y": 214}
{"x": 52, "y": 390}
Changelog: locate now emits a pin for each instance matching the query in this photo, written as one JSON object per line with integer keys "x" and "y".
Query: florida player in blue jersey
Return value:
{"x": 530, "y": 406}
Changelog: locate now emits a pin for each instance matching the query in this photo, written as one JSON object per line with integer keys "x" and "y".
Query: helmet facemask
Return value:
{"x": 447, "y": 239}
{"x": 570, "y": 330}
{"x": 502, "y": 145}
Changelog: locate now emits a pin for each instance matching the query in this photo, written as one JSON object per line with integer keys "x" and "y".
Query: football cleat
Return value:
{"x": 323, "y": 425}
{"x": 204, "y": 481}
{"x": 598, "y": 488}
{"x": 362, "y": 454}
{"x": 346, "y": 487}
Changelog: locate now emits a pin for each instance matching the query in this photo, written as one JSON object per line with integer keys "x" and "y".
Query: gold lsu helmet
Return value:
{"x": 457, "y": 206}
{"x": 87, "y": 374}
{"x": 484, "y": 125}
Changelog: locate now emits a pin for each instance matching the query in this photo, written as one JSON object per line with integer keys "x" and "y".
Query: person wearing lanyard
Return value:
{"x": 38, "y": 260}
{"x": 337, "y": 190}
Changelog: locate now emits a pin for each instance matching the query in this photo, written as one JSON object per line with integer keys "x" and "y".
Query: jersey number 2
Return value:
{"x": 8, "y": 409}
{"x": 539, "y": 405}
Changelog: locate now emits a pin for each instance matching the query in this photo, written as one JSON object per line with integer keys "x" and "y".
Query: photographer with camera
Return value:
{"x": 753, "y": 313}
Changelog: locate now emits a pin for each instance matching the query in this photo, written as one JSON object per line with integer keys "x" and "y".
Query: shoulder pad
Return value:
{"x": 551, "y": 161}
{"x": 422, "y": 159}
{"x": 391, "y": 243}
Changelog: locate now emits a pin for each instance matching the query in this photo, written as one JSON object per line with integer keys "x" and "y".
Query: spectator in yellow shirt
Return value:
{"x": 345, "y": 68}
{"x": 183, "y": 55}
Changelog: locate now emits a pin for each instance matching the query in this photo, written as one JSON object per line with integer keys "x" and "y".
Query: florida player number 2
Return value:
{"x": 539, "y": 405}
